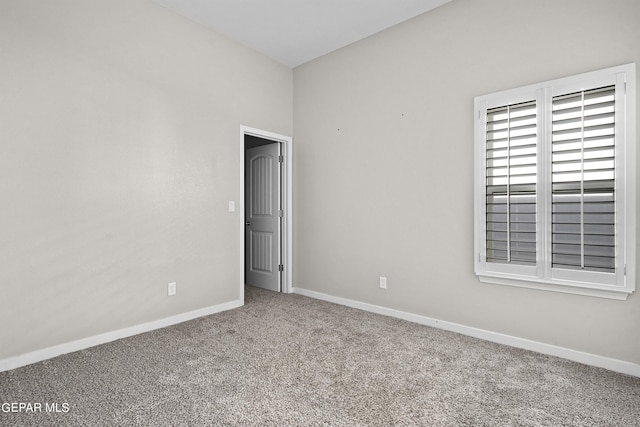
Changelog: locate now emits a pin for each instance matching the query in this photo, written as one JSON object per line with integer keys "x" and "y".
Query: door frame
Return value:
{"x": 287, "y": 203}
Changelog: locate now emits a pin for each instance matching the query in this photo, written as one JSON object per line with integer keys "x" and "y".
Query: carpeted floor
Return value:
{"x": 288, "y": 360}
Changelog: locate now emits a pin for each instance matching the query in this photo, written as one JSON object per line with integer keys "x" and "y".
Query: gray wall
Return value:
{"x": 120, "y": 127}
{"x": 384, "y": 163}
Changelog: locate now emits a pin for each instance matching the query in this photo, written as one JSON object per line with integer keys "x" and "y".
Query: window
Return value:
{"x": 555, "y": 185}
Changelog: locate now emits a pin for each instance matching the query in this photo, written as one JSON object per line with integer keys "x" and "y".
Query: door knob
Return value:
{"x": 248, "y": 223}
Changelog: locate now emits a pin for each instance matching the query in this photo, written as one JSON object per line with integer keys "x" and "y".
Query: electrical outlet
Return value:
{"x": 383, "y": 282}
{"x": 171, "y": 288}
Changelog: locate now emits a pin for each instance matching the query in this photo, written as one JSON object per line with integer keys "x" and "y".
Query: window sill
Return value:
{"x": 612, "y": 293}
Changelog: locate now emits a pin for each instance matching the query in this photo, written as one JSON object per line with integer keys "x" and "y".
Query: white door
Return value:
{"x": 262, "y": 216}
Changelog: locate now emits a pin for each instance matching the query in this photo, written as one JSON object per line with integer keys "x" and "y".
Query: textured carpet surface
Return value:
{"x": 291, "y": 360}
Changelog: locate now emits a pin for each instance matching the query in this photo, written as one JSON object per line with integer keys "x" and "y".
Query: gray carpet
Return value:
{"x": 291, "y": 360}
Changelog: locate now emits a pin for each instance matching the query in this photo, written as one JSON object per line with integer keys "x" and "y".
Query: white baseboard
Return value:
{"x": 50, "y": 352}
{"x": 577, "y": 356}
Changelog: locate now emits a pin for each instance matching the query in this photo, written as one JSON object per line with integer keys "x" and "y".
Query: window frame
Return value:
{"x": 617, "y": 285}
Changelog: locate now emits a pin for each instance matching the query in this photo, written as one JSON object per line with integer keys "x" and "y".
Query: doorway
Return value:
{"x": 266, "y": 210}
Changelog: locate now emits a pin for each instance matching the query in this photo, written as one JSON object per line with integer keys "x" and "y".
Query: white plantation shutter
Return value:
{"x": 555, "y": 185}
{"x": 511, "y": 184}
{"x": 583, "y": 180}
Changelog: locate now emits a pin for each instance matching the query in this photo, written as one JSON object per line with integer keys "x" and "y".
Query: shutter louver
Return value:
{"x": 583, "y": 180}
{"x": 511, "y": 184}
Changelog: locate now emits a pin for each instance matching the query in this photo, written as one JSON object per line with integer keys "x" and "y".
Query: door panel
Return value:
{"x": 261, "y": 248}
{"x": 262, "y": 207}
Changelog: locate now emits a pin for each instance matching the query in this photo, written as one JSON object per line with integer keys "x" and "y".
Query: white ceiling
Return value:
{"x": 293, "y": 32}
